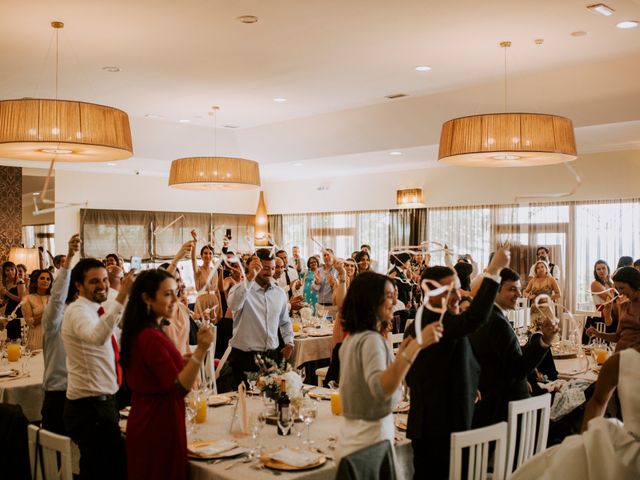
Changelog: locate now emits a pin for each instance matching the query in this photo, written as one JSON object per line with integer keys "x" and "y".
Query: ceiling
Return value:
{"x": 335, "y": 62}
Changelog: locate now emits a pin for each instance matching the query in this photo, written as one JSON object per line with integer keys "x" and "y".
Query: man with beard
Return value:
{"x": 90, "y": 414}
{"x": 443, "y": 379}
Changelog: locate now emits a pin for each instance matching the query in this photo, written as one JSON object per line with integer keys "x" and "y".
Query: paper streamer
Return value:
{"x": 165, "y": 228}
{"x": 428, "y": 293}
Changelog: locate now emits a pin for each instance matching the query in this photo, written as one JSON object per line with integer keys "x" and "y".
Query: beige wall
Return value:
{"x": 604, "y": 176}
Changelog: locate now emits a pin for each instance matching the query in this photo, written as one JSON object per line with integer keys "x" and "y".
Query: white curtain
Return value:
{"x": 604, "y": 231}
{"x": 343, "y": 232}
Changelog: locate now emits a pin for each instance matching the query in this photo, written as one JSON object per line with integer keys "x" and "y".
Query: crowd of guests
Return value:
{"x": 112, "y": 339}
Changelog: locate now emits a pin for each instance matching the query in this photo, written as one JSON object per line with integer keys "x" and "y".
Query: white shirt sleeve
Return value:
{"x": 91, "y": 328}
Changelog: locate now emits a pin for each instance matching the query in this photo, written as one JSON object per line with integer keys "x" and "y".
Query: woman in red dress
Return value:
{"x": 158, "y": 378}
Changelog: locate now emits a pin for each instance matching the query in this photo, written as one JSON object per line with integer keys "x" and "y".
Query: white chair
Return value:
{"x": 223, "y": 360}
{"x": 321, "y": 373}
{"x": 478, "y": 442}
{"x": 49, "y": 446}
{"x": 526, "y": 431}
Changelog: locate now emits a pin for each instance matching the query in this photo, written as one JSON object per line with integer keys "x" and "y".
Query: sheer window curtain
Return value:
{"x": 605, "y": 230}
{"x": 343, "y": 232}
{"x": 465, "y": 230}
{"x": 407, "y": 226}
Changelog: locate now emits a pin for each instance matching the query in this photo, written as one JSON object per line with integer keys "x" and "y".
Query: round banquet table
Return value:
{"x": 325, "y": 426}
{"x": 25, "y": 389}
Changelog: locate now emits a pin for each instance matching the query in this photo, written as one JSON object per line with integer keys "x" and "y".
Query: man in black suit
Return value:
{"x": 504, "y": 364}
{"x": 443, "y": 379}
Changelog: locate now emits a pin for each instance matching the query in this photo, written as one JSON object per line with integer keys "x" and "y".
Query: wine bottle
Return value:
{"x": 284, "y": 410}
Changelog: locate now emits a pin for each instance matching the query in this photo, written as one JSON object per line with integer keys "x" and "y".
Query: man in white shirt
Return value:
{"x": 289, "y": 274}
{"x": 298, "y": 261}
{"x": 543, "y": 254}
{"x": 259, "y": 312}
{"x": 90, "y": 415}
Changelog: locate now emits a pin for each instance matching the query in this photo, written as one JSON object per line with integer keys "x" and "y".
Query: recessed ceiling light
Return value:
{"x": 153, "y": 115}
{"x": 111, "y": 164}
{"x": 111, "y": 69}
{"x": 423, "y": 68}
{"x": 298, "y": 164}
{"x": 184, "y": 120}
{"x": 579, "y": 33}
{"x": 627, "y": 24}
{"x": 279, "y": 99}
{"x": 248, "y": 19}
{"x": 230, "y": 126}
{"x": 395, "y": 153}
{"x": 601, "y": 9}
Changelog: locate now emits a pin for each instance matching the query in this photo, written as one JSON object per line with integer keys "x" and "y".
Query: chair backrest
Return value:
{"x": 206, "y": 369}
{"x": 528, "y": 430}
{"x": 223, "y": 360}
{"x": 396, "y": 338}
{"x": 49, "y": 446}
{"x": 478, "y": 442}
{"x": 374, "y": 462}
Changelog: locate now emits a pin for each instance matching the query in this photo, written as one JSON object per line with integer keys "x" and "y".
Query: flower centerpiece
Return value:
{"x": 269, "y": 376}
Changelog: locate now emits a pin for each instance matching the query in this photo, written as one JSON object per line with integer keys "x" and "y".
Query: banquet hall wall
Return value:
{"x": 611, "y": 175}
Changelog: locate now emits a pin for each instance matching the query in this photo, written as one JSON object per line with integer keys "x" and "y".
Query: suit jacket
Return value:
{"x": 504, "y": 365}
{"x": 444, "y": 377}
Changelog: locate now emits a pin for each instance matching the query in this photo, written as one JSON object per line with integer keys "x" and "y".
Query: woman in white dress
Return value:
{"x": 370, "y": 376}
{"x": 607, "y": 448}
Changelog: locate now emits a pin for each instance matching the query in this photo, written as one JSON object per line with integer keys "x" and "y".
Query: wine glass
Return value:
{"x": 256, "y": 423}
{"x": 190, "y": 415}
{"x": 309, "y": 412}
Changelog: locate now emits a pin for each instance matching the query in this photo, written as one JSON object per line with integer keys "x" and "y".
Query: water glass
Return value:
{"x": 309, "y": 412}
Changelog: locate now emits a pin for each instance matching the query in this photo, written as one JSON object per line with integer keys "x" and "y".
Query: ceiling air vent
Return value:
{"x": 395, "y": 95}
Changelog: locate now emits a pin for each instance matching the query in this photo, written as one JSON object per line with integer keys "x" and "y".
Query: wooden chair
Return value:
{"x": 478, "y": 442}
{"x": 528, "y": 430}
{"x": 47, "y": 447}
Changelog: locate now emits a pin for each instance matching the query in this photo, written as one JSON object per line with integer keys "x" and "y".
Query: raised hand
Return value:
{"x": 254, "y": 268}
{"x": 500, "y": 260}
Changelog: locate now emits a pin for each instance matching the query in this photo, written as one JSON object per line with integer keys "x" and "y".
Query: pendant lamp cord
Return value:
{"x": 505, "y": 45}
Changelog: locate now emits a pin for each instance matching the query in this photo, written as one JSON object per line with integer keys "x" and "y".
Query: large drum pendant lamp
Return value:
{"x": 211, "y": 173}
{"x": 507, "y": 139}
{"x": 214, "y": 173}
{"x": 66, "y": 130}
{"x": 36, "y": 129}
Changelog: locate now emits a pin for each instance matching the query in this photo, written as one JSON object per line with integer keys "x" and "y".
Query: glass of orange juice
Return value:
{"x": 296, "y": 327}
{"x": 336, "y": 403}
{"x": 13, "y": 352}
{"x": 200, "y": 398}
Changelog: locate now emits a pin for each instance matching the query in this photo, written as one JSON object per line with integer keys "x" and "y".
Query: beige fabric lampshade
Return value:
{"x": 38, "y": 129}
{"x": 205, "y": 173}
{"x": 29, "y": 257}
{"x": 507, "y": 140}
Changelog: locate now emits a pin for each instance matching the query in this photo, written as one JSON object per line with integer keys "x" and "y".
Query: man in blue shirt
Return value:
{"x": 259, "y": 312}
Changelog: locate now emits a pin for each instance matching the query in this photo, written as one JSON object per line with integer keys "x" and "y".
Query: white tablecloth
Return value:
{"x": 25, "y": 391}
{"x": 326, "y": 425}
{"x": 309, "y": 349}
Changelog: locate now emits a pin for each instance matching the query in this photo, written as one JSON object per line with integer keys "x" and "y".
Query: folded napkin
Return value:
{"x": 322, "y": 392}
{"x": 214, "y": 448}
{"x": 8, "y": 373}
{"x": 296, "y": 458}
